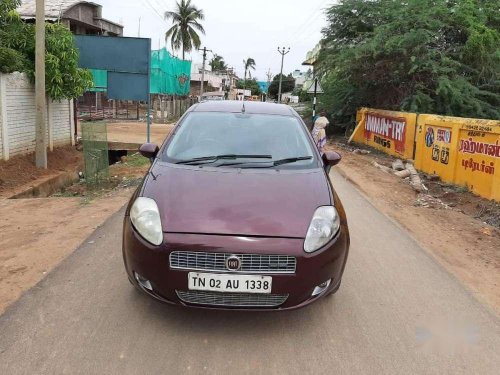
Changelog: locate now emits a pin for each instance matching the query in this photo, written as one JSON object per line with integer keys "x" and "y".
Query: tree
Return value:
{"x": 217, "y": 63}
{"x": 435, "y": 56}
{"x": 250, "y": 84}
{"x": 64, "y": 80}
{"x": 11, "y": 60}
{"x": 304, "y": 96}
{"x": 287, "y": 85}
{"x": 249, "y": 64}
{"x": 185, "y": 21}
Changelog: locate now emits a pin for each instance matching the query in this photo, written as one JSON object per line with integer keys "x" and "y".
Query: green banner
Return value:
{"x": 169, "y": 75}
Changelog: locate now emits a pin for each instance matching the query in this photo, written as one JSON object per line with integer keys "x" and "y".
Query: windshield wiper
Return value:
{"x": 214, "y": 158}
{"x": 291, "y": 160}
{"x": 273, "y": 163}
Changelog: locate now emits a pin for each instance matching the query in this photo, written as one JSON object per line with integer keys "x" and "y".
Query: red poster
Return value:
{"x": 386, "y": 131}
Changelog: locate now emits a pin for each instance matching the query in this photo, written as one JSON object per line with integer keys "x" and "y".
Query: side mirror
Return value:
{"x": 149, "y": 150}
{"x": 331, "y": 158}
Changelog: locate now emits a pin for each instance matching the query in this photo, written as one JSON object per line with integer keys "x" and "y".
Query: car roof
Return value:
{"x": 235, "y": 106}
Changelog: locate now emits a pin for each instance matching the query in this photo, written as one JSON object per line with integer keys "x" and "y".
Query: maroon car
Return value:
{"x": 237, "y": 212}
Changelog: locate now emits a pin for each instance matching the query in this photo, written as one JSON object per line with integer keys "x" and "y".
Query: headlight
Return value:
{"x": 324, "y": 225}
{"x": 146, "y": 220}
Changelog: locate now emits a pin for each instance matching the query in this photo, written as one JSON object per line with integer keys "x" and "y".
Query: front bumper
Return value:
{"x": 152, "y": 263}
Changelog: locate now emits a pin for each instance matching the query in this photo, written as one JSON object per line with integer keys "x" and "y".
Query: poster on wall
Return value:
{"x": 478, "y": 150}
{"x": 388, "y": 132}
{"x": 438, "y": 140}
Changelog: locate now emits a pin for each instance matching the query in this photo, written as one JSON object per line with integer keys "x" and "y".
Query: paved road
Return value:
{"x": 398, "y": 312}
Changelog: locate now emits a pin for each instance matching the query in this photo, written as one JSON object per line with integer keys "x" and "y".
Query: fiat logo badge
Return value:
{"x": 233, "y": 263}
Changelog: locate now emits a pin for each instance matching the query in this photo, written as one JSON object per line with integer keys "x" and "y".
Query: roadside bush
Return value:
{"x": 64, "y": 79}
{"x": 434, "y": 56}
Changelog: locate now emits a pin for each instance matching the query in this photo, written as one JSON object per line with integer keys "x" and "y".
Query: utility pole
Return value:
{"x": 230, "y": 75}
{"x": 41, "y": 106}
{"x": 282, "y": 53}
{"x": 205, "y": 50}
{"x": 315, "y": 96}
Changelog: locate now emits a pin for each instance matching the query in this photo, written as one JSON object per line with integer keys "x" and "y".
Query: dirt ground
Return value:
{"x": 20, "y": 172}
{"x": 32, "y": 240}
{"x": 38, "y": 233}
{"x": 135, "y": 132}
{"x": 448, "y": 221}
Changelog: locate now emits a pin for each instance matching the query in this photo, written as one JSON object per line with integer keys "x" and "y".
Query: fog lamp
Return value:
{"x": 143, "y": 282}
{"x": 321, "y": 288}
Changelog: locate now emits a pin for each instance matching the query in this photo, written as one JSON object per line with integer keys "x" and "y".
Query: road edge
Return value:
{"x": 428, "y": 251}
{"x": 10, "y": 309}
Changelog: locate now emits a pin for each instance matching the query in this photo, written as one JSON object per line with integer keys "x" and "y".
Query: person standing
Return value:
{"x": 318, "y": 131}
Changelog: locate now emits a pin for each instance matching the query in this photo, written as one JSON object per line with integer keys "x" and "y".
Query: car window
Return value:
{"x": 203, "y": 134}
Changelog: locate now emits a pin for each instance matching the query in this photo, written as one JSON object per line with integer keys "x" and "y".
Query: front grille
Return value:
{"x": 232, "y": 299}
{"x": 250, "y": 263}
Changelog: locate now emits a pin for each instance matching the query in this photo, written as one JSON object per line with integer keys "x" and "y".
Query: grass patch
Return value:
{"x": 135, "y": 160}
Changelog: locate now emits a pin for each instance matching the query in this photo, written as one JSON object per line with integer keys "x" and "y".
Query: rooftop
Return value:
{"x": 235, "y": 106}
{"x": 53, "y": 8}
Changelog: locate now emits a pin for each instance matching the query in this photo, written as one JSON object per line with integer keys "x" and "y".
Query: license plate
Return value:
{"x": 228, "y": 283}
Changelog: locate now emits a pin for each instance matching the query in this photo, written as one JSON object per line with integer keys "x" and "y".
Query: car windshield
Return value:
{"x": 241, "y": 140}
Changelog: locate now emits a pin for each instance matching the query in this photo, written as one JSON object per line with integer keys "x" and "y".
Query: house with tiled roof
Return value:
{"x": 81, "y": 17}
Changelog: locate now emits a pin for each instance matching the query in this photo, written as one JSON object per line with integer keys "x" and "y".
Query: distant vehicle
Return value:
{"x": 215, "y": 95}
{"x": 237, "y": 212}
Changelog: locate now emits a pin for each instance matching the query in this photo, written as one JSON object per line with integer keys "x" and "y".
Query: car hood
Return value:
{"x": 232, "y": 201}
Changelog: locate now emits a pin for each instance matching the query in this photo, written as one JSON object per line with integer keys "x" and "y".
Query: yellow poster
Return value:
{"x": 478, "y": 159}
{"x": 462, "y": 151}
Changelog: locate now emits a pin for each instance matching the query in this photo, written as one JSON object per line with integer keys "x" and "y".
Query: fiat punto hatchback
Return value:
{"x": 237, "y": 212}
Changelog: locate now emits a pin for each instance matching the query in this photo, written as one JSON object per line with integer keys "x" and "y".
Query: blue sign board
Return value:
{"x": 264, "y": 86}
{"x": 127, "y": 61}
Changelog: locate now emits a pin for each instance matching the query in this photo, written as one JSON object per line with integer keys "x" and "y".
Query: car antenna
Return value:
{"x": 243, "y": 107}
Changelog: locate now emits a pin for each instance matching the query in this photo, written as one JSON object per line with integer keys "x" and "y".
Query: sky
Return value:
{"x": 235, "y": 29}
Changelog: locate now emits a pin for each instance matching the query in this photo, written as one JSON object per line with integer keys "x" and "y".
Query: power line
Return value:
{"x": 148, "y": 4}
{"x": 160, "y": 7}
{"x": 306, "y": 23}
{"x": 300, "y": 31}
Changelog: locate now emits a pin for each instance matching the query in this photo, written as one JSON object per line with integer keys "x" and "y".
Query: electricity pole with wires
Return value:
{"x": 205, "y": 50}
{"x": 282, "y": 53}
{"x": 41, "y": 105}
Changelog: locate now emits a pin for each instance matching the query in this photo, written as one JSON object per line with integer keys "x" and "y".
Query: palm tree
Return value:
{"x": 185, "y": 20}
{"x": 249, "y": 64}
{"x": 217, "y": 63}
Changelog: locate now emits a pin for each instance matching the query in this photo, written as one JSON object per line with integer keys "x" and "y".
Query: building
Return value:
{"x": 312, "y": 56}
{"x": 311, "y": 61}
{"x": 213, "y": 81}
{"x": 242, "y": 94}
{"x": 301, "y": 78}
{"x": 81, "y": 17}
